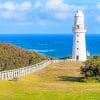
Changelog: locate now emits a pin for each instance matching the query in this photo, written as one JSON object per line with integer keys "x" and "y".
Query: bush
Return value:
{"x": 91, "y": 70}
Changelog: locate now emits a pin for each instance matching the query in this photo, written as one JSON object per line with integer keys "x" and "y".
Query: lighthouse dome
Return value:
{"x": 79, "y": 13}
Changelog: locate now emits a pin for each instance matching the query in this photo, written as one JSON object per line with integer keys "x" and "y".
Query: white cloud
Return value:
{"x": 38, "y": 4}
{"x": 6, "y": 14}
{"x": 55, "y": 4}
{"x": 98, "y": 18}
{"x": 61, "y": 10}
{"x": 57, "y": 8}
{"x": 26, "y": 5}
{"x": 8, "y": 5}
{"x": 98, "y": 5}
{"x": 10, "y": 9}
{"x": 50, "y": 9}
{"x": 98, "y": 12}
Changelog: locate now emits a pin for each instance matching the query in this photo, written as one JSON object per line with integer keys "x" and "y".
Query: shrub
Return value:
{"x": 91, "y": 70}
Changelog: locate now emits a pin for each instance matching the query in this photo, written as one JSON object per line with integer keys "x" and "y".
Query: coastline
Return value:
{"x": 55, "y": 45}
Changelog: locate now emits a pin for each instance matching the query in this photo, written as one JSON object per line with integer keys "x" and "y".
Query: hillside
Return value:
{"x": 59, "y": 81}
{"x": 12, "y": 57}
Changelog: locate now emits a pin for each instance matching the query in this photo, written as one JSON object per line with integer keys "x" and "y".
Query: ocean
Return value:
{"x": 54, "y": 45}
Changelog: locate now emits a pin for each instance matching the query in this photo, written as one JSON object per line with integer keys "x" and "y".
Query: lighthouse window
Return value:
{"x": 78, "y": 26}
{"x": 77, "y": 35}
{"x": 77, "y": 41}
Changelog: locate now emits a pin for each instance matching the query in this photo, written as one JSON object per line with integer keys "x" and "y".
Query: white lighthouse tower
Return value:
{"x": 79, "y": 44}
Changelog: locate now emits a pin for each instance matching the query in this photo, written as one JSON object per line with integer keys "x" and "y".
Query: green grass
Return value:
{"x": 55, "y": 82}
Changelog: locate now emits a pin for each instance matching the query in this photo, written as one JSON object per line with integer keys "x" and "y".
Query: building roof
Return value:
{"x": 79, "y": 13}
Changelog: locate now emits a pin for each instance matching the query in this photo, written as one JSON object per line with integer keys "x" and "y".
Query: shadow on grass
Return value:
{"x": 70, "y": 78}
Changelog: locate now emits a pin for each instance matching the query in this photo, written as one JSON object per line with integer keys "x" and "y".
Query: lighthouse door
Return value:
{"x": 77, "y": 58}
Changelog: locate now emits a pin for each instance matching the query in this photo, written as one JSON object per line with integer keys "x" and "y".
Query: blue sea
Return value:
{"x": 51, "y": 44}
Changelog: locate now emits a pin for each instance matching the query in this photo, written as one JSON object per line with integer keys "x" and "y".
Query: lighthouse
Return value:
{"x": 79, "y": 42}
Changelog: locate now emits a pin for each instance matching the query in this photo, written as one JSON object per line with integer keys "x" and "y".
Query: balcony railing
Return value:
{"x": 79, "y": 29}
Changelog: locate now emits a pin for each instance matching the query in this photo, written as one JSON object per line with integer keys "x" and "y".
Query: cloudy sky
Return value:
{"x": 47, "y": 16}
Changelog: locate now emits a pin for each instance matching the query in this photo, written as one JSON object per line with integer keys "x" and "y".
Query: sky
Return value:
{"x": 47, "y": 16}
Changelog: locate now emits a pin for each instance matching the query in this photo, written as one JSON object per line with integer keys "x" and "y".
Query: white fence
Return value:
{"x": 16, "y": 73}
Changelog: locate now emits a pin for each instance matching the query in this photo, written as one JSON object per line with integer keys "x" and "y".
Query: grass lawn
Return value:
{"x": 55, "y": 82}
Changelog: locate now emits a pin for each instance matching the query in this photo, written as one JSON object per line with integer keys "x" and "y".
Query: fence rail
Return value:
{"x": 16, "y": 73}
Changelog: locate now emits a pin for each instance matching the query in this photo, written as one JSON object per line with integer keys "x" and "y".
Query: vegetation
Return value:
{"x": 56, "y": 82}
{"x": 91, "y": 70}
{"x": 12, "y": 57}
{"x": 59, "y": 81}
{"x": 67, "y": 57}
